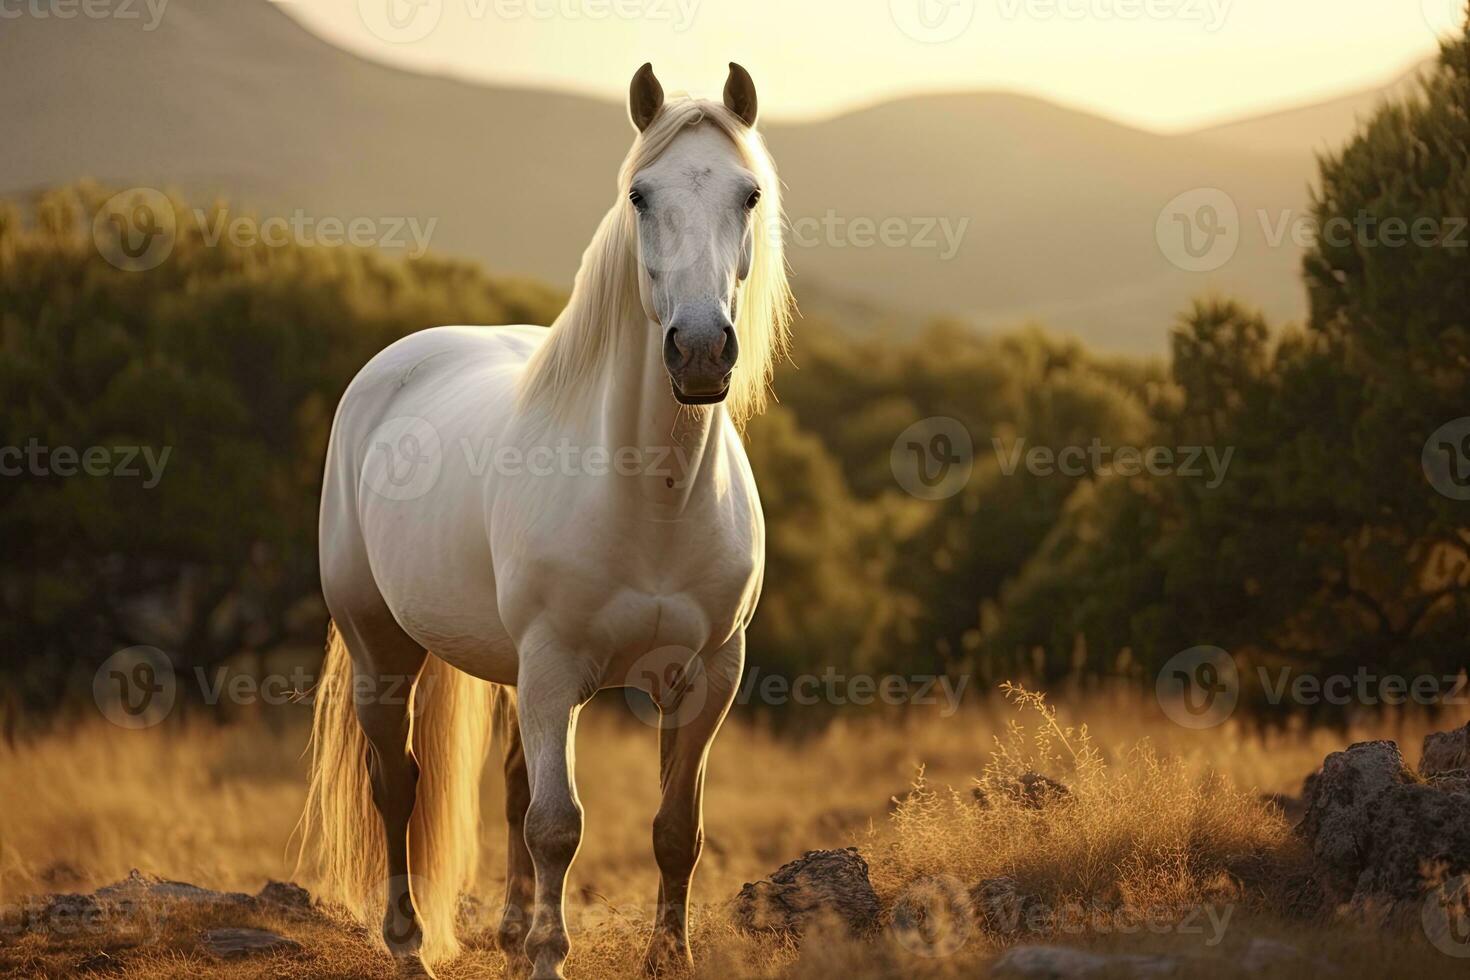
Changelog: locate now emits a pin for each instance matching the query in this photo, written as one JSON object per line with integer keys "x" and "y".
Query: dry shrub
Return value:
{"x": 1142, "y": 832}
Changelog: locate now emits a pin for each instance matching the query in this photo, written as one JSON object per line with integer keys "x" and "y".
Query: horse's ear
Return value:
{"x": 740, "y": 94}
{"x": 645, "y": 97}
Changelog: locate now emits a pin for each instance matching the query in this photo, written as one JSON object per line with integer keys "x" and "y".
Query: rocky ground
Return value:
{"x": 1387, "y": 849}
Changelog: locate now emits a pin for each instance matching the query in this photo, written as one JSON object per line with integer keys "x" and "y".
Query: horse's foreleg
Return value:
{"x": 520, "y": 872}
{"x": 551, "y": 689}
{"x": 384, "y": 663}
{"x": 687, "y": 730}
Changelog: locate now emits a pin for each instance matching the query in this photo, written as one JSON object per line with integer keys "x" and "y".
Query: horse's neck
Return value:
{"x": 677, "y": 444}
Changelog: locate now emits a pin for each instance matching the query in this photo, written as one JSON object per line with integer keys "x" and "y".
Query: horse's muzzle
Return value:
{"x": 700, "y": 356}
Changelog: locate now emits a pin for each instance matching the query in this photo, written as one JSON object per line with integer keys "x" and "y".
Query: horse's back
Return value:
{"x": 402, "y": 503}
{"x": 426, "y": 376}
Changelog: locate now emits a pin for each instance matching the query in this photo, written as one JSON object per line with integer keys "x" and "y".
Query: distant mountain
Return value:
{"x": 1058, "y": 208}
{"x": 1315, "y": 128}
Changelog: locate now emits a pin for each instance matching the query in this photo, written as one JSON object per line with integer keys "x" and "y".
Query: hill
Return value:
{"x": 1049, "y": 213}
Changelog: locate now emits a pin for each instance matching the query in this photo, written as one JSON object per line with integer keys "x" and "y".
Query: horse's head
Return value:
{"x": 694, "y": 198}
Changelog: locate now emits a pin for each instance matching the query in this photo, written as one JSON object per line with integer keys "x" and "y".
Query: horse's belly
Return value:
{"x": 467, "y": 633}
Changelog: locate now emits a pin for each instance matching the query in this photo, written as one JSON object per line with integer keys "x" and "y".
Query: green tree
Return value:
{"x": 229, "y": 359}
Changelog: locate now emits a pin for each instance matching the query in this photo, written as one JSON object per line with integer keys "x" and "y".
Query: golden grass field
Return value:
{"x": 1164, "y": 820}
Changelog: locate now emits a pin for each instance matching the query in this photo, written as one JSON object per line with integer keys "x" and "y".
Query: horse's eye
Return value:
{"x": 753, "y": 200}
{"x": 638, "y": 201}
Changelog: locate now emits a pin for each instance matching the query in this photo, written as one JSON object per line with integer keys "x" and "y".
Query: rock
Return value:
{"x": 232, "y": 944}
{"x": 1446, "y": 752}
{"x": 138, "y": 886}
{"x": 1031, "y": 790}
{"x": 286, "y": 894}
{"x": 816, "y": 885}
{"x": 141, "y": 898}
{"x": 1374, "y": 828}
{"x": 1060, "y": 962}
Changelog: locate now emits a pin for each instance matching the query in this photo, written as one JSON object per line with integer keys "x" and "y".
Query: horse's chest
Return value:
{"x": 626, "y": 591}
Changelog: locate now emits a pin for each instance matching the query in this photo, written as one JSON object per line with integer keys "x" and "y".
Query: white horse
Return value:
{"x": 559, "y": 512}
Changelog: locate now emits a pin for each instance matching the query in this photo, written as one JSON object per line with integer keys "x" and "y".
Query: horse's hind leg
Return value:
{"x": 686, "y": 731}
{"x": 520, "y": 872}
{"x": 385, "y": 661}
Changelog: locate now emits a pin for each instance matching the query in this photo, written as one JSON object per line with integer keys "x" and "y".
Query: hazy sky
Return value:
{"x": 1162, "y": 64}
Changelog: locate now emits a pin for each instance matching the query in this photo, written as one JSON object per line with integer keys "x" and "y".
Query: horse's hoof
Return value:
{"x": 546, "y": 969}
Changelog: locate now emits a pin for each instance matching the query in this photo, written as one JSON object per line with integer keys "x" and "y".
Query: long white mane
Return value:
{"x": 605, "y": 294}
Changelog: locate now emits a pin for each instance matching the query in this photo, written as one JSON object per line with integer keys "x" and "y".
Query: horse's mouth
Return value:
{"x": 683, "y": 399}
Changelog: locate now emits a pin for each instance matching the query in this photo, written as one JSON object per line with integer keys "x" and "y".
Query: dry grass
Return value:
{"x": 1164, "y": 823}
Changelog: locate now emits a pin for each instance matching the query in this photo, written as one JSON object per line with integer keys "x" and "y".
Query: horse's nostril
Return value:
{"x": 729, "y": 347}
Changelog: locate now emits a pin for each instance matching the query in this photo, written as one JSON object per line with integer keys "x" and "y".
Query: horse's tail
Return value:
{"x": 450, "y": 733}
